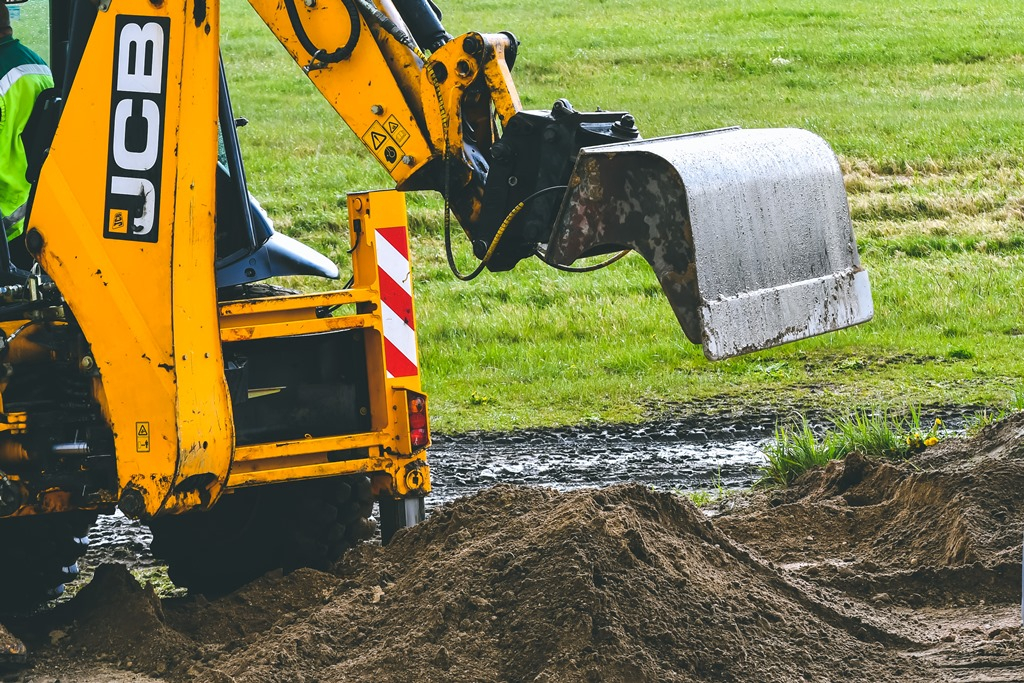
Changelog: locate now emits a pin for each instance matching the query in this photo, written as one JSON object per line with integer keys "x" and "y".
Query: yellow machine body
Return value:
{"x": 146, "y": 300}
{"x": 141, "y": 283}
{"x": 144, "y": 367}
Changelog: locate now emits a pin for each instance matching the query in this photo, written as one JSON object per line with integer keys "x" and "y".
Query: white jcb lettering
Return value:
{"x": 138, "y": 98}
{"x": 143, "y": 189}
{"x": 140, "y": 65}
{"x": 146, "y": 158}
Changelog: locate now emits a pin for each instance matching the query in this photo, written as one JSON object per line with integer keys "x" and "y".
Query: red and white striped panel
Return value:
{"x": 396, "y": 302}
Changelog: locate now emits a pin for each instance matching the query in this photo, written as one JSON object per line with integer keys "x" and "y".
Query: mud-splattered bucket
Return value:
{"x": 748, "y": 231}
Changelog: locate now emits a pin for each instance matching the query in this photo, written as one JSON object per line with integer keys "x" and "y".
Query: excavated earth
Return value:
{"x": 863, "y": 571}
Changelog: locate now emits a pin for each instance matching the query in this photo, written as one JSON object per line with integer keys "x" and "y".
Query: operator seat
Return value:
{"x": 248, "y": 248}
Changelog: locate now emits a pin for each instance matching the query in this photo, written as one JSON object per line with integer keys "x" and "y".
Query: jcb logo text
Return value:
{"x": 136, "y": 128}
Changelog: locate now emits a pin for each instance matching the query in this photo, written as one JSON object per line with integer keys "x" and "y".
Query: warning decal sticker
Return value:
{"x": 142, "y": 437}
{"x": 383, "y": 145}
{"x": 400, "y": 134}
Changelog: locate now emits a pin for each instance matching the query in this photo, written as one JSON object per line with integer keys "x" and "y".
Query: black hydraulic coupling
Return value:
{"x": 424, "y": 20}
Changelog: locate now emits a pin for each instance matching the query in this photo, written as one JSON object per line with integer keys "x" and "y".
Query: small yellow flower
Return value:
{"x": 938, "y": 422}
{"x": 930, "y": 441}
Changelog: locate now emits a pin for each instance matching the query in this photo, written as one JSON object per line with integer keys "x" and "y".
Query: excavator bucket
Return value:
{"x": 748, "y": 231}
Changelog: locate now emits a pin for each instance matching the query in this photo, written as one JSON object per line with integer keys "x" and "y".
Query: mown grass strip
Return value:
{"x": 932, "y": 245}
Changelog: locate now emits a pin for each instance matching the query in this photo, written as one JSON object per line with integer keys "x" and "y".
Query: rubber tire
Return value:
{"x": 256, "y": 530}
{"x": 40, "y": 554}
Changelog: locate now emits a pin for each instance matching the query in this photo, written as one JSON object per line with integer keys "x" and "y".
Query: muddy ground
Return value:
{"x": 865, "y": 571}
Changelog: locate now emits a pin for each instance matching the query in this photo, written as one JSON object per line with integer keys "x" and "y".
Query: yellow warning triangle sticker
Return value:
{"x": 377, "y": 139}
{"x": 142, "y": 430}
{"x": 392, "y": 126}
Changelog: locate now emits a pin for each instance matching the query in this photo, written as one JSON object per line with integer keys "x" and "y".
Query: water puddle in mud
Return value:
{"x": 665, "y": 456}
{"x": 660, "y": 459}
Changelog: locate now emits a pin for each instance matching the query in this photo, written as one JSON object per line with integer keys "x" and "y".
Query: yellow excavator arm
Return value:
{"x": 437, "y": 122}
{"x": 748, "y": 232}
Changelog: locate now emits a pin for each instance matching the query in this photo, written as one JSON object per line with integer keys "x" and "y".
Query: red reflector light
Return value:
{"x": 418, "y": 420}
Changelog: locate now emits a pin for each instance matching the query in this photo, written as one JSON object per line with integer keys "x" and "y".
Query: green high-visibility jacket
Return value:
{"x": 23, "y": 75}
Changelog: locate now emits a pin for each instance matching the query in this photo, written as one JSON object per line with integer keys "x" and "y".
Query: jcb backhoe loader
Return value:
{"x": 146, "y": 366}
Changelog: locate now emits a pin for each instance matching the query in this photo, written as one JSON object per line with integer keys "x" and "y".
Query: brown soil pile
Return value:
{"x": 521, "y": 584}
{"x": 512, "y": 584}
{"x": 871, "y": 571}
{"x": 116, "y": 620}
{"x": 943, "y": 529}
{"x": 113, "y": 619}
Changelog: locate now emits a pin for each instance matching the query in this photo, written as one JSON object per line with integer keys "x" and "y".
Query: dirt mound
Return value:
{"x": 531, "y": 585}
{"x": 619, "y": 584}
{"x": 512, "y": 584}
{"x": 943, "y": 528}
{"x": 114, "y": 619}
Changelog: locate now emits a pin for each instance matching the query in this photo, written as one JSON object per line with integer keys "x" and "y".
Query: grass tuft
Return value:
{"x": 880, "y": 433}
{"x": 1016, "y": 402}
{"x": 795, "y": 450}
{"x": 708, "y": 497}
{"x": 871, "y": 432}
{"x": 989, "y": 416}
{"x": 979, "y": 421}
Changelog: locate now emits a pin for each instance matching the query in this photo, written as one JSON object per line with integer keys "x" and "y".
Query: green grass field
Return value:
{"x": 921, "y": 99}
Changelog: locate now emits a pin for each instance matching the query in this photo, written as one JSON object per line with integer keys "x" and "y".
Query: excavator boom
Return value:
{"x": 749, "y": 232}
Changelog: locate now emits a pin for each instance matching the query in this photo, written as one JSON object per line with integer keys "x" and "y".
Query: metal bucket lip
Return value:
{"x": 828, "y": 304}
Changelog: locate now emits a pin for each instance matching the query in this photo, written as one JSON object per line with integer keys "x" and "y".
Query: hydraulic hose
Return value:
{"x": 582, "y": 269}
{"x": 372, "y": 14}
{"x": 320, "y": 54}
{"x": 497, "y": 235}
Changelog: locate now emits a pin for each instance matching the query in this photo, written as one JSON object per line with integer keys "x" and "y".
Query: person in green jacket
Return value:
{"x": 23, "y": 75}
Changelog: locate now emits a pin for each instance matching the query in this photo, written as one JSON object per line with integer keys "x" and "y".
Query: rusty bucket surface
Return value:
{"x": 748, "y": 231}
